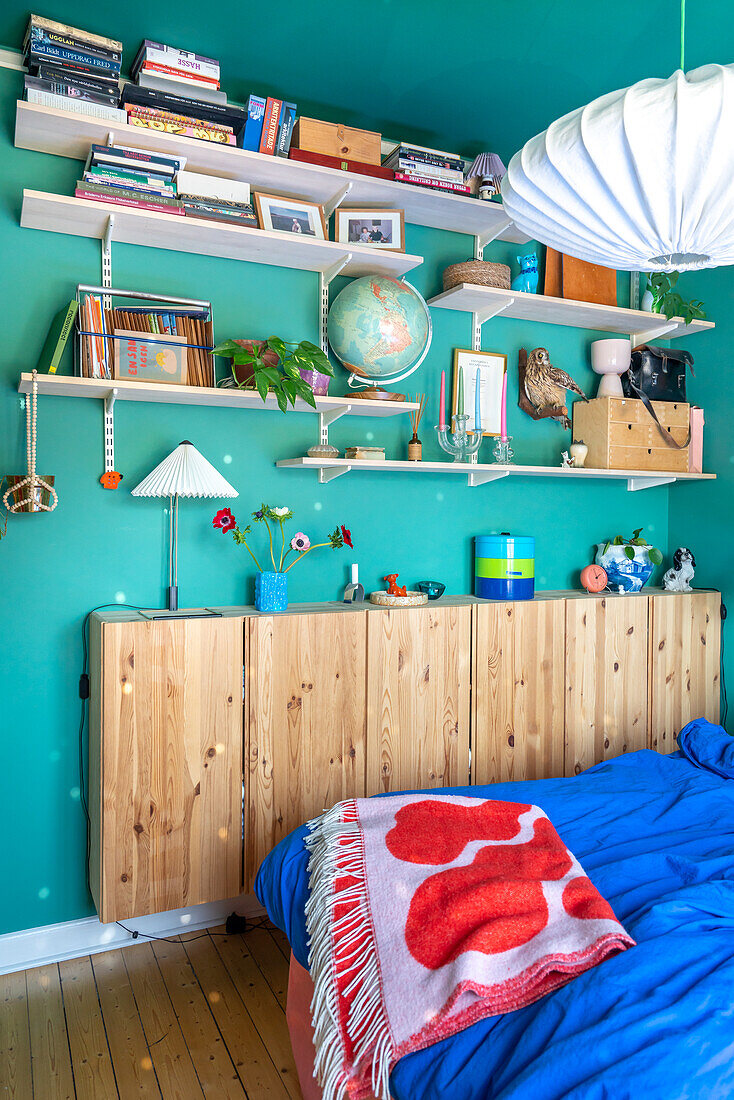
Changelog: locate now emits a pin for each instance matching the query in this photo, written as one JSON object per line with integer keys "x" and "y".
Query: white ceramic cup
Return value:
{"x": 610, "y": 359}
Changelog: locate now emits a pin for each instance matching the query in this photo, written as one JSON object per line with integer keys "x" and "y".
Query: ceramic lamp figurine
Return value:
{"x": 489, "y": 170}
{"x": 610, "y": 359}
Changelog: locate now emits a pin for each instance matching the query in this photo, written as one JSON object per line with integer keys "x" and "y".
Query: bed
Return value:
{"x": 656, "y": 836}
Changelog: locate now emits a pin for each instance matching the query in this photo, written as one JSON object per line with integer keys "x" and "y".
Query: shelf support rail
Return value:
{"x": 107, "y": 260}
{"x": 109, "y": 432}
{"x": 327, "y": 418}
{"x": 325, "y": 280}
{"x": 328, "y": 473}
{"x": 486, "y": 315}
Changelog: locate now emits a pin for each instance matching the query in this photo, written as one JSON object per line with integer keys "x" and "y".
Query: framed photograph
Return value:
{"x": 376, "y": 228}
{"x": 291, "y": 216}
{"x": 492, "y": 368}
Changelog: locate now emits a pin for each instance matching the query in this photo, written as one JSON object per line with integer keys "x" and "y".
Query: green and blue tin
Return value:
{"x": 504, "y": 567}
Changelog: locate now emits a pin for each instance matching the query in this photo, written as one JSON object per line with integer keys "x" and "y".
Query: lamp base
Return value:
{"x": 173, "y": 597}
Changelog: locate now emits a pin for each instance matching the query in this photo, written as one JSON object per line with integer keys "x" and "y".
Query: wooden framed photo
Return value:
{"x": 492, "y": 368}
{"x": 376, "y": 228}
{"x": 291, "y": 216}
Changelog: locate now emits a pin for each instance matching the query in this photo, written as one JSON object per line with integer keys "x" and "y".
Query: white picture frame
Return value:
{"x": 492, "y": 368}
{"x": 371, "y": 227}
{"x": 297, "y": 216}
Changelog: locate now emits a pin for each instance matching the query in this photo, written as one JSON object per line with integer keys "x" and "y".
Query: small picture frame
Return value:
{"x": 492, "y": 368}
{"x": 291, "y": 216}
{"x": 372, "y": 227}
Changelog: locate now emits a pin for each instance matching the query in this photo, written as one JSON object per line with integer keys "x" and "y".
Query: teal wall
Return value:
{"x": 452, "y": 79}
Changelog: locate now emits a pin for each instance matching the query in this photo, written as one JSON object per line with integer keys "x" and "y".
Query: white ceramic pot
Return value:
{"x": 625, "y": 574}
{"x": 610, "y": 358}
{"x": 578, "y": 452}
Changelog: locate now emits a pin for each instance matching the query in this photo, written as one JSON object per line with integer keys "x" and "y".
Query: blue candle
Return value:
{"x": 477, "y": 403}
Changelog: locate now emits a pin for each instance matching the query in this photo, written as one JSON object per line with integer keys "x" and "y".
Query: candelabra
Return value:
{"x": 460, "y": 443}
{"x": 503, "y": 452}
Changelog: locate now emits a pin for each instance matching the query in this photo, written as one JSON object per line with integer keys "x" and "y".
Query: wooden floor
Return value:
{"x": 201, "y": 1016}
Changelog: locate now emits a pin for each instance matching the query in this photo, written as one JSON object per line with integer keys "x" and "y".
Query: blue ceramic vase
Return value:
{"x": 271, "y": 591}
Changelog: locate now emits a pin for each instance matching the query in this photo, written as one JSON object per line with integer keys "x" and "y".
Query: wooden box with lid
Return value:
{"x": 621, "y": 434}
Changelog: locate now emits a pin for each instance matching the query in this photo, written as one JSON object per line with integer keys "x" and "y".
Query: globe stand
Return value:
{"x": 462, "y": 445}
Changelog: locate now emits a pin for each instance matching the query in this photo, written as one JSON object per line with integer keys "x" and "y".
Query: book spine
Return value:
{"x": 410, "y": 168}
{"x": 180, "y": 61}
{"x": 96, "y": 40}
{"x": 104, "y": 82}
{"x": 198, "y": 200}
{"x": 271, "y": 120}
{"x": 172, "y": 116}
{"x": 437, "y": 185}
{"x": 201, "y": 132}
{"x": 139, "y": 204}
{"x": 406, "y": 153}
{"x": 62, "y": 341}
{"x": 213, "y": 214}
{"x": 177, "y": 74}
{"x": 75, "y": 57}
{"x": 71, "y": 91}
{"x": 128, "y": 192}
{"x": 94, "y": 180}
{"x": 211, "y": 188}
{"x": 79, "y": 106}
{"x": 41, "y": 36}
{"x": 103, "y": 173}
{"x": 253, "y": 127}
{"x": 285, "y": 131}
{"x": 111, "y": 154}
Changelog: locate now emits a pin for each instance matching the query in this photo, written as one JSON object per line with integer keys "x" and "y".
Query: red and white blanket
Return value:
{"x": 429, "y": 912}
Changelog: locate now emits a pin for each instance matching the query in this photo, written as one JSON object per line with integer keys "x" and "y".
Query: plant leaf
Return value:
{"x": 262, "y": 384}
{"x": 281, "y": 399}
{"x": 226, "y": 349}
{"x": 278, "y": 346}
{"x": 629, "y": 553}
{"x": 655, "y": 555}
{"x": 618, "y": 540}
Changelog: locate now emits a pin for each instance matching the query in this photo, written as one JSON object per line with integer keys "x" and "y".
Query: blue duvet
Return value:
{"x": 656, "y": 836}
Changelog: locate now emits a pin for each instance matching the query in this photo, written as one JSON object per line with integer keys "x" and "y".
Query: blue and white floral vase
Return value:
{"x": 271, "y": 591}
{"x": 625, "y": 574}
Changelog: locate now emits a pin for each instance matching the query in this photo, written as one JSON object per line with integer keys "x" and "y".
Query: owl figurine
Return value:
{"x": 545, "y": 385}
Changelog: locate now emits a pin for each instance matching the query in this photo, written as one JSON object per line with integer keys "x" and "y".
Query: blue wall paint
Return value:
{"x": 98, "y": 545}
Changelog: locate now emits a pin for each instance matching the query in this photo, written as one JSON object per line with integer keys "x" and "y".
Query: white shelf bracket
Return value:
{"x": 327, "y": 418}
{"x": 668, "y": 326}
{"x": 481, "y": 477}
{"x": 109, "y": 432}
{"x": 635, "y": 484}
{"x": 481, "y": 241}
{"x": 328, "y": 473}
{"x": 337, "y": 199}
{"x": 325, "y": 280}
{"x": 486, "y": 315}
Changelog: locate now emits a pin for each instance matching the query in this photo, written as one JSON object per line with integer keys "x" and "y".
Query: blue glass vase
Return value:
{"x": 271, "y": 591}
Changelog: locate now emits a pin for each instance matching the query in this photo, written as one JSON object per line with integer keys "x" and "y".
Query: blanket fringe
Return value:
{"x": 343, "y": 948}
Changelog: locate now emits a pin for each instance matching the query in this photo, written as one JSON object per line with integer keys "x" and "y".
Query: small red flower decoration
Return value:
{"x": 347, "y": 536}
{"x": 224, "y": 520}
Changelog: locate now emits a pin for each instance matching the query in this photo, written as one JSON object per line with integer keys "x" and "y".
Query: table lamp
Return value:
{"x": 489, "y": 170}
{"x": 185, "y": 473}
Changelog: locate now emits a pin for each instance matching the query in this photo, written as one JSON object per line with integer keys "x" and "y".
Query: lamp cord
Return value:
{"x": 683, "y": 35}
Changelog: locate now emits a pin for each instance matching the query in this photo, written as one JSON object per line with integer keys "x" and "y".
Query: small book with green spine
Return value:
{"x": 57, "y": 339}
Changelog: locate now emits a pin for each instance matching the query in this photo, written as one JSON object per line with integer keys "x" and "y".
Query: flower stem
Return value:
{"x": 305, "y": 552}
{"x": 249, "y": 551}
{"x": 282, "y": 545}
{"x": 270, "y": 536}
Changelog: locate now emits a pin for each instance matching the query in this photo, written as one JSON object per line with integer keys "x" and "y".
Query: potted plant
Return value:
{"x": 668, "y": 301}
{"x": 271, "y": 585}
{"x": 628, "y": 563}
{"x": 287, "y": 369}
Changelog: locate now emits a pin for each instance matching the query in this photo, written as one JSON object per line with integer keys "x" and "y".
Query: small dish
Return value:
{"x": 433, "y": 589}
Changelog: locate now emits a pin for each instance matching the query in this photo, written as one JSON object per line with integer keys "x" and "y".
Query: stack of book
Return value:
{"x": 72, "y": 70}
{"x": 210, "y": 197}
{"x": 131, "y": 177}
{"x": 268, "y": 126}
{"x": 428, "y": 168}
{"x": 178, "y": 92}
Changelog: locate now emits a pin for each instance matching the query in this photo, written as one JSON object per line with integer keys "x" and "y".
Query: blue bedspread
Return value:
{"x": 656, "y": 836}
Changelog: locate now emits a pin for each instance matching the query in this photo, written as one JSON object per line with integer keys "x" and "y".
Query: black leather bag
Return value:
{"x": 658, "y": 374}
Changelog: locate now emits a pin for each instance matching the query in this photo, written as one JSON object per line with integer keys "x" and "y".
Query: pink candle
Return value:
{"x": 503, "y": 410}
{"x": 442, "y": 402}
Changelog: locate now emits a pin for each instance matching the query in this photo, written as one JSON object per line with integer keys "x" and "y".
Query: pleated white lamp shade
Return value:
{"x": 185, "y": 473}
{"x": 640, "y": 179}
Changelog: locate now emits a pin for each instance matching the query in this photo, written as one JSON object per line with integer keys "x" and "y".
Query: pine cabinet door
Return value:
{"x": 517, "y": 728}
{"x": 418, "y": 698}
{"x": 606, "y": 679}
{"x": 306, "y": 701}
{"x": 165, "y": 765}
{"x": 685, "y": 646}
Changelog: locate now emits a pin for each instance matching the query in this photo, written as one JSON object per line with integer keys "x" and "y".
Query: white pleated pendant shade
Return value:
{"x": 638, "y": 180}
{"x": 185, "y": 473}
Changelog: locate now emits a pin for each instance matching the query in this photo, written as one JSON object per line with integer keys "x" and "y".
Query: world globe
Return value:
{"x": 379, "y": 328}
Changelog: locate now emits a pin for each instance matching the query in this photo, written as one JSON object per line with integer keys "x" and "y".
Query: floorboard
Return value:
{"x": 129, "y": 1049}
{"x": 90, "y": 1053}
{"x": 16, "y": 1076}
{"x": 50, "y": 1054}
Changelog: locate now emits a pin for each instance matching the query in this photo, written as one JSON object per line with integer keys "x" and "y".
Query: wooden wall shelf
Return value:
{"x": 486, "y": 302}
{"x": 84, "y": 218}
{"x": 479, "y": 473}
{"x": 67, "y": 134}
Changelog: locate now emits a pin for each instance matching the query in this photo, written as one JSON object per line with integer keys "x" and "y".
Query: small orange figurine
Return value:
{"x": 394, "y": 589}
{"x": 110, "y": 479}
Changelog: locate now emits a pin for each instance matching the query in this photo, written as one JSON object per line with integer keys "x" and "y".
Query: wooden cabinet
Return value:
{"x": 165, "y": 779}
{"x": 518, "y": 690}
{"x": 306, "y": 717}
{"x": 685, "y": 643}
{"x": 418, "y": 676}
{"x": 606, "y": 679}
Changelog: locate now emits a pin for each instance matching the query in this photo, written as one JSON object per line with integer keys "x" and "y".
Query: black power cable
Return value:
{"x": 724, "y": 700}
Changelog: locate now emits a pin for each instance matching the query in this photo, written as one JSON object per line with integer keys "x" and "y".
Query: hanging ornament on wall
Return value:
{"x": 30, "y": 492}
{"x": 639, "y": 179}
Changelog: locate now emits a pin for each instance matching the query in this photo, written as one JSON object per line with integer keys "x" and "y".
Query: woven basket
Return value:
{"x": 478, "y": 272}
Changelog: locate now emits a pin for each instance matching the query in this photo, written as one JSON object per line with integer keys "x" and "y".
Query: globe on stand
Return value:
{"x": 379, "y": 328}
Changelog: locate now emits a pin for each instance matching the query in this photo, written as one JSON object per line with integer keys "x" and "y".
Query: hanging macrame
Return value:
{"x": 28, "y": 493}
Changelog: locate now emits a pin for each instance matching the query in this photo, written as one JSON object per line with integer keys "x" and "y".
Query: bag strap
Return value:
{"x": 648, "y": 405}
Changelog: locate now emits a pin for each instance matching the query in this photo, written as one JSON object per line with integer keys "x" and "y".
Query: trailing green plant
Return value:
{"x": 276, "y": 366}
{"x": 669, "y": 302}
{"x": 653, "y": 553}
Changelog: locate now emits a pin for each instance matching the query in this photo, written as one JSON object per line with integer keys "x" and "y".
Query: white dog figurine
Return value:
{"x": 678, "y": 579}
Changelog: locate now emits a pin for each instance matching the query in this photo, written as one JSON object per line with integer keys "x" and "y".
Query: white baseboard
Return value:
{"x": 74, "y": 938}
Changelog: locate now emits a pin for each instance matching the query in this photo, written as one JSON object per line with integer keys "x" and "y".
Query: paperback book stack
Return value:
{"x": 428, "y": 168}
{"x": 215, "y": 199}
{"x": 131, "y": 177}
{"x": 72, "y": 70}
{"x": 178, "y": 92}
{"x": 268, "y": 125}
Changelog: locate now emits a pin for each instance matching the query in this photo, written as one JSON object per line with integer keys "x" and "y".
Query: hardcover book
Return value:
{"x": 225, "y": 115}
{"x": 271, "y": 121}
{"x": 145, "y": 360}
{"x": 181, "y": 86}
{"x": 436, "y": 185}
{"x": 167, "y": 70}
{"x": 57, "y": 339}
{"x": 200, "y": 132}
{"x": 253, "y": 127}
{"x": 71, "y": 91}
{"x": 105, "y": 82}
{"x": 285, "y": 131}
{"x": 189, "y": 119}
{"x": 97, "y": 40}
{"x": 178, "y": 59}
{"x": 140, "y": 202}
{"x": 85, "y": 61}
{"x": 212, "y": 187}
{"x": 357, "y": 166}
{"x": 73, "y": 103}
{"x": 125, "y": 156}
{"x": 72, "y": 42}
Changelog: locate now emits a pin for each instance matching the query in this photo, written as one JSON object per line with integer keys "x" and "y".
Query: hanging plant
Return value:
{"x": 274, "y": 366}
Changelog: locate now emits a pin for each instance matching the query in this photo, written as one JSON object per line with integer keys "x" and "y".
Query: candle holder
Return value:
{"x": 503, "y": 453}
{"x": 459, "y": 442}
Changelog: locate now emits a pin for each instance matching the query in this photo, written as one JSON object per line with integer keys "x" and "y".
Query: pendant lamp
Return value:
{"x": 184, "y": 473}
{"x": 639, "y": 179}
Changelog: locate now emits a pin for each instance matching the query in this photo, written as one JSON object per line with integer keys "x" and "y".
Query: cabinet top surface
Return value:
{"x": 128, "y": 615}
